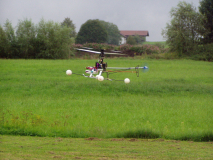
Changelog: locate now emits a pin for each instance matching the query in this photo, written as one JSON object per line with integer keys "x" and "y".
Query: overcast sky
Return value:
{"x": 151, "y": 15}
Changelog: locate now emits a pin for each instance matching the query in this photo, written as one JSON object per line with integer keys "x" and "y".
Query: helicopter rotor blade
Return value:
{"x": 113, "y": 53}
{"x": 86, "y": 50}
{"x": 97, "y": 52}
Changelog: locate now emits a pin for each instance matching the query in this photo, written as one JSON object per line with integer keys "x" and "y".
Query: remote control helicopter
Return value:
{"x": 101, "y": 67}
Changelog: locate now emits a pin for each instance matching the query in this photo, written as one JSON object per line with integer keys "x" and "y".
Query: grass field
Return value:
{"x": 171, "y": 101}
{"x": 41, "y": 148}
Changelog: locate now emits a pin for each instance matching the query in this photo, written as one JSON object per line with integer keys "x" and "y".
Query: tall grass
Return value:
{"x": 173, "y": 100}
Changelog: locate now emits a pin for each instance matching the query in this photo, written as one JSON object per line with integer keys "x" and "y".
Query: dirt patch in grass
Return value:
{"x": 133, "y": 140}
{"x": 117, "y": 139}
{"x": 93, "y": 139}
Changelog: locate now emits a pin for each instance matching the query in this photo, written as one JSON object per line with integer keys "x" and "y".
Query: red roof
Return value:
{"x": 132, "y": 33}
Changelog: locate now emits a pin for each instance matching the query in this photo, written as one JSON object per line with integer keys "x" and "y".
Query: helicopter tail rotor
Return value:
{"x": 145, "y": 67}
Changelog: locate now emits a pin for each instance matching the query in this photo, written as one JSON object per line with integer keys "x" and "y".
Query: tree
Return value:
{"x": 139, "y": 39}
{"x": 135, "y": 39}
{"x": 68, "y": 22}
{"x": 206, "y": 9}
{"x": 131, "y": 40}
{"x": 184, "y": 31}
{"x": 10, "y": 43}
{"x": 53, "y": 40}
{"x": 92, "y": 31}
{"x": 3, "y": 43}
{"x": 26, "y": 37}
{"x": 112, "y": 32}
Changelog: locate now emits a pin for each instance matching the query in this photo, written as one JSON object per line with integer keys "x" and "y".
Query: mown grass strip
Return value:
{"x": 22, "y": 147}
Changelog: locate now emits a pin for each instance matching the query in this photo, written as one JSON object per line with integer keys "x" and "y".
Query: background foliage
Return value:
{"x": 189, "y": 33}
{"x": 206, "y": 9}
{"x": 183, "y": 32}
{"x": 113, "y": 33}
{"x": 92, "y": 31}
{"x": 135, "y": 40}
{"x": 68, "y": 22}
{"x": 47, "y": 39}
{"x": 98, "y": 31}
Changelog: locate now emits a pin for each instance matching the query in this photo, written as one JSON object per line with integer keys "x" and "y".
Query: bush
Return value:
{"x": 208, "y": 49}
{"x": 141, "y": 49}
{"x": 203, "y": 52}
{"x": 131, "y": 40}
{"x": 160, "y": 45}
{"x": 125, "y": 47}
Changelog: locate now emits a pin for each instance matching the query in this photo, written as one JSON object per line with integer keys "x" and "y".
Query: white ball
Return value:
{"x": 100, "y": 78}
{"x": 126, "y": 80}
{"x": 97, "y": 77}
{"x": 68, "y": 72}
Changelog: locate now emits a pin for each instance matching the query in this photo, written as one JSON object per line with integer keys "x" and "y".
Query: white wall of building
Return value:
{"x": 122, "y": 41}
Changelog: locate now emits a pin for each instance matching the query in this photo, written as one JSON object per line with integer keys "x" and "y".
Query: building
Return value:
{"x": 126, "y": 33}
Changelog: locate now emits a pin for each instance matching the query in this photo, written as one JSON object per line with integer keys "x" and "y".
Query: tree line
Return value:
{"x": 51, "y": 40}
{"x": 47, "y": 39}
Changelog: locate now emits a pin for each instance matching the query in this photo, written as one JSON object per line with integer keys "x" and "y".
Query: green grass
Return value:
{"x": 16, "y": 147}
{"x": 158, "y": 43}
{"x": 172, "y": 101}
